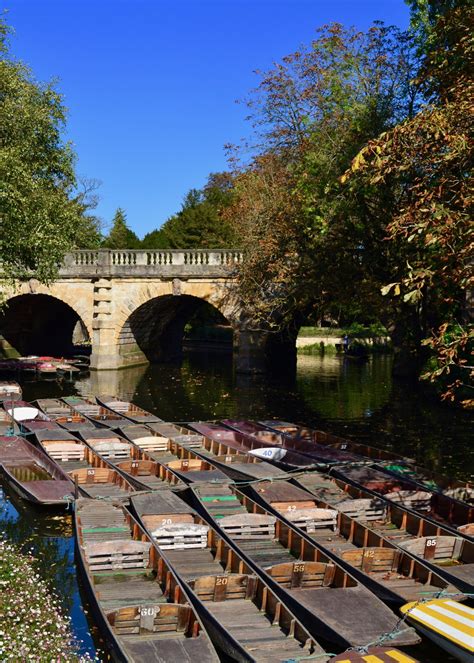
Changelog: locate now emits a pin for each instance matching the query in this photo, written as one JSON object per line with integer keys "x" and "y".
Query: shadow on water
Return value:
{"x": 351, "y": 399}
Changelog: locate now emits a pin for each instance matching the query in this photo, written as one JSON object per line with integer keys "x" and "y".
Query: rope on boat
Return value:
{"x": 390, "y": 635}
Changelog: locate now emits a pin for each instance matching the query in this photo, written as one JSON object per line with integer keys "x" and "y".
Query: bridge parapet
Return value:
{"x": 204, "y": 263}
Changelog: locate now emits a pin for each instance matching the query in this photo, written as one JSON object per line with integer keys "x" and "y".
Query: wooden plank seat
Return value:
{"x": 153, "y": 618}
{"x": 110, "y": 448}
{"x": 226, "y": 587}
{"x": 91, "y": 475}
{"x": 189, "y": 441}
{"x": 312, "y": 519}
{"x": 303, "y": 574}
{"x": 187, "y": 464}
{"x": 117, "y": 555}
{"x": 153, "y": 443}
{"x": 64, "y": 451}
{"x": 419, "y": 500}
{"x": 434, "y": 548}
{"x": 467, "y": 529}
{"x": 180, "y": 536}
{"x": 219, "y": 500}
{"x": 253, "y": 526}
{"x": 138, "y": 468}
{"x": 363, "y": 509}
{"x": 373, "y": 559}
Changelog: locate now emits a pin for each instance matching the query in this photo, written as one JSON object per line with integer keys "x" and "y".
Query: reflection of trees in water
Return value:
{"x": 338, "y": 388}
{"x": 46, "y": 536}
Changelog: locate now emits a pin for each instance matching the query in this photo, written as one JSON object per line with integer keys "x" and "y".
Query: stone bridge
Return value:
{"x": 131, "y": 306}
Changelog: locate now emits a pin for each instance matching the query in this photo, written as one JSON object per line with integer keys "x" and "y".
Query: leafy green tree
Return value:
{"x": 310, "y": 247}
{"x": 199, "y": 223}
{"x": 120, "y": 235}
{"x": 423, "y": 169}
{"x": 41, "y": 213}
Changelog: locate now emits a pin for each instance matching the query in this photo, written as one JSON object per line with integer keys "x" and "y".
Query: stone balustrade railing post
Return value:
{"x": 161, "y": 263}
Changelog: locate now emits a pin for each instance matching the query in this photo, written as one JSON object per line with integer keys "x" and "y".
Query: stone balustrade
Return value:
{"x": 205, "y": 263}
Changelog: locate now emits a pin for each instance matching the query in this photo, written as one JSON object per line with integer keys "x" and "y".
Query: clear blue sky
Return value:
{"x": 151, "y": 84}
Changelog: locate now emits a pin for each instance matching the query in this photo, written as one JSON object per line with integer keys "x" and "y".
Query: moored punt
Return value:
{"x": 284, "y": 458}
{"x": 327, "y": 439}
{"x": 64, "y": 415}
{"x": 34, "y": 476}
{"x": 387, "y": 460}
{"x": 128, "y": 410}
{"x": 235, "y": 464}
{"x": 97, "y": 414}
{"x": 10, "y": 391}
{"x": 409, "y": 493}
{"x": 323, "y": 594}
{"x": 140, "y": 606}
{"x": 244, "y": 605}
{"x": 173, "y": 455}
{"x": 317, "y": 452}
{"x": 94, "y": 476}
{"x": 453, "y": 558}
{"x": 393, "y": 575}
{"x": 447, "y": 623}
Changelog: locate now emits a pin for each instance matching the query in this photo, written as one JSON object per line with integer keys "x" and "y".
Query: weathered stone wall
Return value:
{"x": 119, "y": 295}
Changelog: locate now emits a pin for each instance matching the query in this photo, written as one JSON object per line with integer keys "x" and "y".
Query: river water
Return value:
{"x": 349, "y": 398}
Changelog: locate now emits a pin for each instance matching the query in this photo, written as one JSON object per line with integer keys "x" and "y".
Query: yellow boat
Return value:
{"x": 447, "y": 623}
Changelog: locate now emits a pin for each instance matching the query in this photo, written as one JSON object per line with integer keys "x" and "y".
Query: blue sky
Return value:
{"x": 151, "y": 85}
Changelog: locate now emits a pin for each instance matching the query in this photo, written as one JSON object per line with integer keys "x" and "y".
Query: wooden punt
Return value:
{"x": 235, "y": 464}
{"x": 283, "y": 458}
{"x": 128, "y": 410}
{"x": 140, "y": 606}
{"x": 328, "y": 439}
{"x": 34, "y": 476}
{"x": 453, "y": 559}
{"x": 138, "y": 466}
{"x": 97, "y": 414}
{"x": 394, "y": 575}
{"x": 318, "y": 453}
{"x": 387, "y": 460}
{"x": 10, "y": 391}
{"x": 173, "y": 455}
{"x": 324, "y": 595}
{"x": 94, "y": 476}
{"x": 244, "y": 604}
{"x": 441, "y": 507}
{"x": 62, "y": 414}
{"x": 447, "y": 623}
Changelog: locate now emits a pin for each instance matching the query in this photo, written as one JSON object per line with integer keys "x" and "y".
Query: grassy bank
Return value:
{"x": 33, "y": 627}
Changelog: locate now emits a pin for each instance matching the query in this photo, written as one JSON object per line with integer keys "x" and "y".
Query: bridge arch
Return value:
{"x": 42, "y": 324}
{"x": 155, "y": 330}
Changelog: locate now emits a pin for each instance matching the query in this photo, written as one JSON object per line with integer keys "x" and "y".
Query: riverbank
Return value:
{"x": 33, "y": 626}
{"x": 319, "y": 340}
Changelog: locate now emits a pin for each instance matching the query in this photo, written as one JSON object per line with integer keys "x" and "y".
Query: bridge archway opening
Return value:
{"x": 162, "y": 329}
{"x": 40, "y": 324}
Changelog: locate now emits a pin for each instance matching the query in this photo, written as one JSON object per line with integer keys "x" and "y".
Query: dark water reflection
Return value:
{"x": 357, "y": 400}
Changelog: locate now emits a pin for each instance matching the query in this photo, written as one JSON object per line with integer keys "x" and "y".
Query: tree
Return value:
{"x": 424, "y": 166}
{"x": 120, "y": 235}
{"x": 310, "y": 247}
{"x": 199, "y": 223}
{"x": 41, "y": 214}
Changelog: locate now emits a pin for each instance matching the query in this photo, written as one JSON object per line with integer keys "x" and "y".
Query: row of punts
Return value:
{"x": 247, "y": 541}
{"x": 45, "y": 366}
